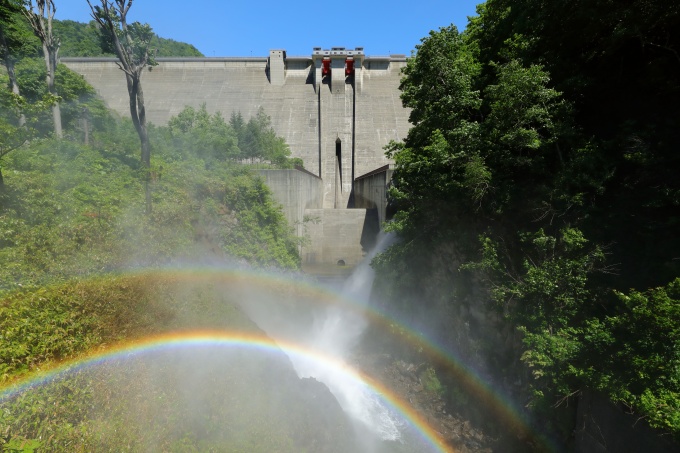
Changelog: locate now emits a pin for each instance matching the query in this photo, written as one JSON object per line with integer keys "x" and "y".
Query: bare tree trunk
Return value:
{"x": 138, "y": 115}
{"x": 51, "y": 63}
{"x": 41, "y": 23}
{"x": 9, "y": 64}
{"x": 146, "y": 147}
{"x": 141, "y": 119}
{"x": 133, "y": 57}
{"x": 86, "y": 130}
{"x": 15, "y": 90}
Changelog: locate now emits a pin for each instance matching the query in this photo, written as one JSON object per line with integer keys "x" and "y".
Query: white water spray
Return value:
{"x": 334, "y": 331}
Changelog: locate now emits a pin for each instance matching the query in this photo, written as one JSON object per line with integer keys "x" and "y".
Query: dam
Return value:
{"x": 336, "y": 108}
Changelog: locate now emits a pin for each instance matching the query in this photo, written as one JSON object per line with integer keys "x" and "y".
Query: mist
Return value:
{"x": 331, "y": 330}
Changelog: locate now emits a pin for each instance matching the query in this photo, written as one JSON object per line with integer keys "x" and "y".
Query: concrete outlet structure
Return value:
{"x": 336, "y": 109}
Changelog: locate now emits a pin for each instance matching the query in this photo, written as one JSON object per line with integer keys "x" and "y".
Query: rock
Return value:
{"x": 472, "y": 445}
{"x": 406, "y": 369}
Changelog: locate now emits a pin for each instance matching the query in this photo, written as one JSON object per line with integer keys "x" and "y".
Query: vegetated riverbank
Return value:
{"x": 466, "y": 412}
{"x": 71, "y": 216}
{"x": 417, "y": 384}
{"x": 68, "y": 209}
{"x": 450, "y": 309}
{"x": 179, "y": 399}
{"x": 167, "y": 360}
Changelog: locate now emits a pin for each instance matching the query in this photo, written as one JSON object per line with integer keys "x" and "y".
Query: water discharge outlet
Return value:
{"x": 334, "y": 331}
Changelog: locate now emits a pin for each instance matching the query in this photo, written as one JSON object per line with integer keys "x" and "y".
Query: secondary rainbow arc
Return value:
{"x": 469, "y": 380}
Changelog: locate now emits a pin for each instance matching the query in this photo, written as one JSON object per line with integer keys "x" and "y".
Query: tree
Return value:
{"x": 258, "y": 140}
{"x": 237, "y": 123}
{"x": 620, "y": 73}
{"x": 11, "y": 41}
{"x": 40, "y": 17}
{"x": 15, "y": 131}
{"x": 13, "y": 137}
{"x": 131, "y": 44}
{"x": 79, "y": 39}
{"x": 75, "y": 94}
{"x": 440, "y": 156}
{"x": 552, "y": 138}
{"x": 205, "y": 135}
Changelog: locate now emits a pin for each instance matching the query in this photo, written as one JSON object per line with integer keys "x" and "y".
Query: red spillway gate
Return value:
{"x": 349, "y": 66}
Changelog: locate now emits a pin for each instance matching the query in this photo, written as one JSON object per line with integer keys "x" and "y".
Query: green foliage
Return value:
{"x": 137, "y": 41}
{"x": 14, "y": 109}
{"x": 542, "y": 163}
{"x": 437, "y": 84}
{"x": 643, "y": 351}
{"x": 59, "y": 322}
{"x": 19, "y": 445}
{"x": 18, "y": 35}
{"x": 631, "y": 354}
{"x": 555, "y": 269}
{"x": 75, "y": 96}
{"x": 170, "y": 48}
{"x": 69, "y": 209}
{"x": 83, "y": 40}
{"x": 208, "y": 135}
{"x": 157, "y": 399}
{"x": 431, "y": 162}
{"x": 130, "y": 42}
{"x": 430, "y": 381}
{"x": 258, "y": 140}
{"x": 78, "y": 39}
{"x": 12, "y": 135}
{"x": 627, "y": 116}
{"x": 262, "y": 234}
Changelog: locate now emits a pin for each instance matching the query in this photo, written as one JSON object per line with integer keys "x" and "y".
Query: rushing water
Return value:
{"x": 228, "y": 385}
{"x": 335, "y": 331}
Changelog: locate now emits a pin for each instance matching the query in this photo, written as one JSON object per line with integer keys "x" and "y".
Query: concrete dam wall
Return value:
{"x": 364, "y": 115}
{"x": 336, "y": 109}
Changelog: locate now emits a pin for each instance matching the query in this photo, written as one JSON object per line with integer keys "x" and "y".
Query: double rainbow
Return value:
{"x": 258, "y": 342}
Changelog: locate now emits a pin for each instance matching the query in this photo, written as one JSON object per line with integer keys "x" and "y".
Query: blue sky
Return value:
{"x": 244, "y": 28}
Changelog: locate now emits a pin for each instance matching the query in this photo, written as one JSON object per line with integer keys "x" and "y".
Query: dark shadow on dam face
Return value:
{"x": 351, "y": 203}
{"x": 370, "y": 230}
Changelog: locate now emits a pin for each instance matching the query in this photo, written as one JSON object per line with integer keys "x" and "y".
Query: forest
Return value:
{"x": 79, "y": 205}
{"x": 63, "y": 200}
{"x": 536, "y": 199}
{"x": 537, "y": 192}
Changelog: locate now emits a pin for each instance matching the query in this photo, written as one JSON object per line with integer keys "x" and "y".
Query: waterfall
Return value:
{"x": 334, "y": 331}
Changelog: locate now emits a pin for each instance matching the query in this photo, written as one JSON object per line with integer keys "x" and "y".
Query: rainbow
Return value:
{"x": 282, "y": 283}
{"x": 241, "y": 340}
{"x": 466, "y": 377}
